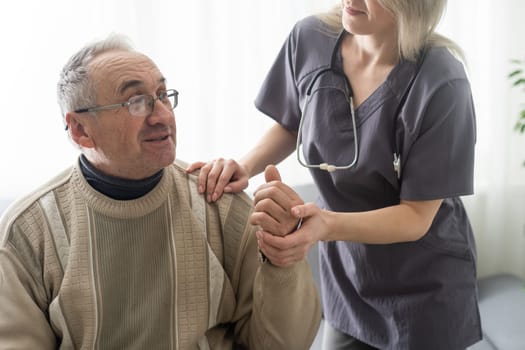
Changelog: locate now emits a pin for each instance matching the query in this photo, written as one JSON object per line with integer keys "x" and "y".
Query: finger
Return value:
{"x": 270, "y": 250}
{"x": 272, "y": 208}
{"x": 215, "y": 173}
{"x": 203, "y": 177}
{"x": 278, "y": 260}
{"x": 277, "y": 204}
{"x": 272, "y": 178}
{"x": 304, "y": 210}
{"x": 228, "y": 173}
{"x": 272, "y": 174}
{"x": 280, "y": 195}
{"x": 277, "y": 256}
{"x": 266, "y": 222}
{"x": 283, "y": 243}
{"x": 282, "y": 222}
{"x": 192, "y": 167}
{"x": 236, "y": 186}
{"x": 280, "y": 186}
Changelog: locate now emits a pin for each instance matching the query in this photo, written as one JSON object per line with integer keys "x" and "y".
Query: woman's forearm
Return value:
{"x": 404, "y": 222}
{"x": 275, "y": 145}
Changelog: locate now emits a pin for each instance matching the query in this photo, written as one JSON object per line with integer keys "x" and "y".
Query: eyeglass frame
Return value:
{"x": 348, "y": 96}
{"x": 130, "y": 102}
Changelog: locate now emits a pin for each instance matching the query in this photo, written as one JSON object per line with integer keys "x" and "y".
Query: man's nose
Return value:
{"x": 160, "y": 113}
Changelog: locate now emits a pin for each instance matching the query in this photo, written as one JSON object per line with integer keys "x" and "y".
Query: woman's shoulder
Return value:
{"x": 440, "y": 64}
{"x": 312, "y": 43}
{"x": 437, "y": 69}
{"x": 307, "y": 23}
{"x": 313, "y": 25}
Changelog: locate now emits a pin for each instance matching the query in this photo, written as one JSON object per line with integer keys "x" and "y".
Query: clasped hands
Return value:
{"x": 278, "y": 211}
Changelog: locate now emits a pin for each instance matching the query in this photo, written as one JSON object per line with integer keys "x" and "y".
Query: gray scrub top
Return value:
{"x": 413, "y": 295}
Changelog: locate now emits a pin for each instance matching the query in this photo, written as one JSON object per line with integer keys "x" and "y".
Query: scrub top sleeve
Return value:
{"x": 278, "y": 96}
{"x": 440, "y": 162}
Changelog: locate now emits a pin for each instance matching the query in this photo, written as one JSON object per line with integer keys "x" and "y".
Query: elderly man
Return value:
{"x": 121, "y": 251}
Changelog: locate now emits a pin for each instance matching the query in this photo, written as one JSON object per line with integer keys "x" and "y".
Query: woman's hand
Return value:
{"x": 289, "y": 249}
{"x": 219, "y": 176}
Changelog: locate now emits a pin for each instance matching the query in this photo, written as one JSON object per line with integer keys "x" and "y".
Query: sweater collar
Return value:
{"x": 115, "y": 187}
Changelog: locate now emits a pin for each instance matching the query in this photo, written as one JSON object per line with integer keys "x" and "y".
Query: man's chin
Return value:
{"x": 167, "y": 160}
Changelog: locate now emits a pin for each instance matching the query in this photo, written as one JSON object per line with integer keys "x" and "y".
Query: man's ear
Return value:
{"x": 78, "y": 130}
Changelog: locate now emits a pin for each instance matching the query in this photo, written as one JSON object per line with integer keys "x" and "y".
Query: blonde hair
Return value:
{"x": 416, "y": 24}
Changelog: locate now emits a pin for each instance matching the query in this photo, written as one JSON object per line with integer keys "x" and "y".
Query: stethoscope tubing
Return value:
{"x": 330, "y": 167}
{"x": 348, "y": 95}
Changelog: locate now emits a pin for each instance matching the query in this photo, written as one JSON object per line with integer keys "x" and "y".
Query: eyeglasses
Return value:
{"x": 338, "y": 96}
{"x": 141, "y": 105}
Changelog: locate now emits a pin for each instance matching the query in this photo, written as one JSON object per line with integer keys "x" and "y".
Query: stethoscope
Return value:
{"x": 348, "y": 94}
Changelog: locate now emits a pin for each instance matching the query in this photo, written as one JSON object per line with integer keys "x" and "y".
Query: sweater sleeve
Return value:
{"x": 23, "y": 324}
{"x": 280, "y": 306}
{"x": 24, "y": 315}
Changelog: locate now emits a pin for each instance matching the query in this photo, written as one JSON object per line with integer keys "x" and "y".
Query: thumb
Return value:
{"x": 271, "y": 173}
{"x": 304, "y": 210}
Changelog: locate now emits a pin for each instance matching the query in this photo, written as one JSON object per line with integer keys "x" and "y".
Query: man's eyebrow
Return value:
{"x": 134, "y": 83}
{"x": 129, "y": 84}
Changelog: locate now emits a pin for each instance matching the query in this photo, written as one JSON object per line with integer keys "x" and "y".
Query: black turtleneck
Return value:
{"x": 115, "y": 187}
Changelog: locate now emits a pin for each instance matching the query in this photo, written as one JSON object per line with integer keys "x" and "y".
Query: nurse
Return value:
{"x": 380, "y": 110}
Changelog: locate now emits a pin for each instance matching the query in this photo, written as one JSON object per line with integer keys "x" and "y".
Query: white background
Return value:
{"x": 216, "y": 53}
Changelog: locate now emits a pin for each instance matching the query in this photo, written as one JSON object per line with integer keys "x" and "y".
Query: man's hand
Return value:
{"x": 273, "y": 204}
{"x": 278, "y": 211}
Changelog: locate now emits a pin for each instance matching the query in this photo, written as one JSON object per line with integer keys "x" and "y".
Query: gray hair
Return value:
{"x": 74, "y": 88}
{"x": 416, "y": 24}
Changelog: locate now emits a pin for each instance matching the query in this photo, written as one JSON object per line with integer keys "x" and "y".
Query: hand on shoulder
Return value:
{"x": 219, "y": 176}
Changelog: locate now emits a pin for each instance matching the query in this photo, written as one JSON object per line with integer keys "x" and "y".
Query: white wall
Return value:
{"x": 216, "y": 54}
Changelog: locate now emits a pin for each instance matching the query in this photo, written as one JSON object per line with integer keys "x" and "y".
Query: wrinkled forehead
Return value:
{"x": 117, "y": 71}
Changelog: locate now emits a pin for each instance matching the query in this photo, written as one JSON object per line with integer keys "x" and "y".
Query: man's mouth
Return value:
{"x": 160, "y": 138}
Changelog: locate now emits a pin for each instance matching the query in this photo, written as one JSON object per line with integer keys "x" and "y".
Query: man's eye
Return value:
{"x": 136, "y": 99}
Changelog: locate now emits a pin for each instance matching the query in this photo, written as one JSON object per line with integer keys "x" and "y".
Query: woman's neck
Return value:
{"x": 371, "y": 51}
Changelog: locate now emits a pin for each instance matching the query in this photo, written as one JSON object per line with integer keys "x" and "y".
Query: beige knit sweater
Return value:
{"x": 79, "y": 270}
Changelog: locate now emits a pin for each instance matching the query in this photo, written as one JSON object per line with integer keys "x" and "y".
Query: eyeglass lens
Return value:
{"x": 143, "y": 105}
